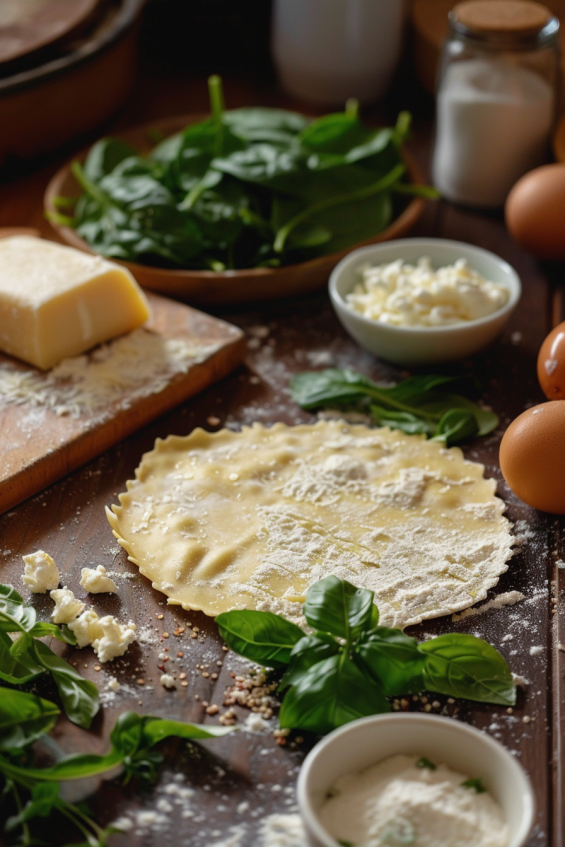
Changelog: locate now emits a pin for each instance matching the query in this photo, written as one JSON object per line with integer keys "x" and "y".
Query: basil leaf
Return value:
{"x": 42, "y": 629}
{"x": 16, "y": 670}
{"x": 423, "y": 762}
{"x": 15, "y": 616}
{"x": 394, "y": 659}
{"x": 259, "y": 636}
{"x": 461, "y": 665}
{"x": 307, "y": 652}
{"x": 475, "y": 784}
{"x": 157, "y": 729}
{"x": 336, "y": 606}
{"x": 24, "y": 718}
{"x": 78, "y": 696}
{"x": 332, "y": 693}
{"x": 44, "y": 798}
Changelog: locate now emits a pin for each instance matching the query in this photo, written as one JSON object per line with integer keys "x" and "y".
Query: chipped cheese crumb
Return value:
{"x": 40, "y": 573}
{"x": 95, "y": 581}
{"x": 67, "y": 606}
{"x": 86, "y": 628}
{"x": 115, "y": 640}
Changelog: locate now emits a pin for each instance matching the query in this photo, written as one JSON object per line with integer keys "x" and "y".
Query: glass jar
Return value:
{"x": 496, "y": 100}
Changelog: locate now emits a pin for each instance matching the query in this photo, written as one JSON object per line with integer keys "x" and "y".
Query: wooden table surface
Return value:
{"x": 240, "y": 779}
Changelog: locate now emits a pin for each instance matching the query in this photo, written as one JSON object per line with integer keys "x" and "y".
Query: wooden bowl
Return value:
{"x": 224, "y": 287}
{"x": 64, "y": 97}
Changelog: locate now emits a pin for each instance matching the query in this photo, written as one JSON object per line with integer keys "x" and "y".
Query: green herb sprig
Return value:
{"x": 417, "y": 405}
{"x": 24, "y": 659}
{"x": 349, "y": 666}
{"x": 35, "y": 792}
{"x": 253, "y": 187}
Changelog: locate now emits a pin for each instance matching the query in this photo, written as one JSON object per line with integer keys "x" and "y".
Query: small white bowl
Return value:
{"x": 411, "y": 346}
{"x": 367, "y": 741}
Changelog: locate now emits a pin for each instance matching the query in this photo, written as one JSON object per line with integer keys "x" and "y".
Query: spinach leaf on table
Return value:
{"x": 417, "y": 404}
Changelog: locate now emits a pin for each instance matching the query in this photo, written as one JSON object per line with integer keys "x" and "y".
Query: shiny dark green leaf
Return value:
{"x": 461, "y": 665}
{"x": 79, "y": 696}
{"x": 24, "y": 718}
{"x": 333, "y": 692}
{"x": 394, "y": 659}
{"x": 259, "y": 636}
{"x": 338, "y": 607}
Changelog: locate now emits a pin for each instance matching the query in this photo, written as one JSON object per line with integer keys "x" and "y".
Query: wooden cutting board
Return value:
{"x": 39, "y": 446}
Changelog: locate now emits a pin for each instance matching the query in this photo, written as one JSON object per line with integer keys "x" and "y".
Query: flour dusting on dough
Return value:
{"x": 252, "y": 519}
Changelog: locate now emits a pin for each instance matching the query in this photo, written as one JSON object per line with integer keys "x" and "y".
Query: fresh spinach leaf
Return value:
{"x": 338, "y": 607}
{"x": 306, "y": 188}
{"x": 259, "y": 636}
{"x": 456, "y": 425}
{"x": 105, "y": 156}
{"x": 461, "y": 665}
{"x": 415, "y": 405}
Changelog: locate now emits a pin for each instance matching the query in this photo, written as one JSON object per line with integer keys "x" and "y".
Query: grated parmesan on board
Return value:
{"x": 136, "y": 365}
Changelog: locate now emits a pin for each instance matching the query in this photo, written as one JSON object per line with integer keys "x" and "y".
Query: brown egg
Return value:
{"x": 535, "y": 211}
{"x": 551, "y": 364}
{"x": 532, "y": 457}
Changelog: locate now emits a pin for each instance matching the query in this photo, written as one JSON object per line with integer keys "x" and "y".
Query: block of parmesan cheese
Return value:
{"x": 57, "y": 302}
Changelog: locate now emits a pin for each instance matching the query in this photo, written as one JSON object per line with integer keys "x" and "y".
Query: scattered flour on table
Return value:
{"x": 508, "y": 598}
{"x": 131, "y": 367}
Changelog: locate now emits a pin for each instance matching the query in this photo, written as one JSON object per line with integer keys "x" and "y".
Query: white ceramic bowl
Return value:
{"x": 366, "y": 742}
{"x": 411, "y": 346}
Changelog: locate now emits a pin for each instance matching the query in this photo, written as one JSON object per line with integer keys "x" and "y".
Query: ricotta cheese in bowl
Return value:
{"x": 421, "y": 301}
{"x": 410, "y": 800}
{"x": 404, "y": 294}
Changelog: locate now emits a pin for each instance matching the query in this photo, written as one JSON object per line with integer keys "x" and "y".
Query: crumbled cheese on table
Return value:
{"x": 95, "y": 581}
{"x": 67, "y": 606}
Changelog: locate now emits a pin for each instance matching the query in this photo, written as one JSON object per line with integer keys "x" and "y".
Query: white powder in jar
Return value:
{"x": 402, "y": 294}
{"x": 397, "y": 802}
{"x": 493, "y": 124}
